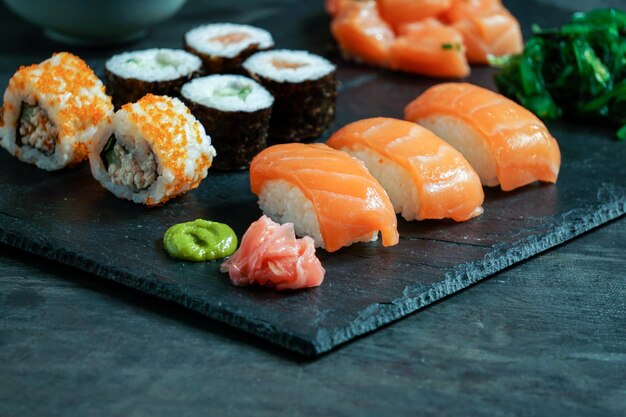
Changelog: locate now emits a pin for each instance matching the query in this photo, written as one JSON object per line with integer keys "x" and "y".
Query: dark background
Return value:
{"x": 545, "y": 338}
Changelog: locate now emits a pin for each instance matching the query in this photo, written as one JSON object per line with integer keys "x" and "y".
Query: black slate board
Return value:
{"x": 66, "y": 216}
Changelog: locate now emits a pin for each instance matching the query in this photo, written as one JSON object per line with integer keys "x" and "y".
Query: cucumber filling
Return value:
{"x": 131, "y": 168}
{"x": 234, "y": 90}
{"x": 36, "y": 130}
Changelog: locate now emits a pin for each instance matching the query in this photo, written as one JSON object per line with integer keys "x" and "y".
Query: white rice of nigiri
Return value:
{"x": 283, "y": 202}
{"x": 396, "y": 181}
{"x": 469, "y": 142}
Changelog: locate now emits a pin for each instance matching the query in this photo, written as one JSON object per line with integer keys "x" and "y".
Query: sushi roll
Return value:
{"x": 304, "y": 87}
{"x": 153, "y": 150}
{"x": 325, "y": 193}
{"x": 132, "y": 75}
{"x": 424, "y": 177}
{"x": 506, "y": 144}
{"x": 236, "y": 111}
{"x": 52, "y": 110}
{"x": 224, "y": 46}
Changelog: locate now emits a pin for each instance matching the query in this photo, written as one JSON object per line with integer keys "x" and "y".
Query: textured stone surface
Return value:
{"x": 543, "y": 338}
{"x": 67, "y": 217}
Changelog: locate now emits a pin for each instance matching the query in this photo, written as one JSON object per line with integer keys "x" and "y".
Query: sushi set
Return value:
{"x": 225, "y": 131}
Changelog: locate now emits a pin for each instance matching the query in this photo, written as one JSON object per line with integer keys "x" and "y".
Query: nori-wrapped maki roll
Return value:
{"x": 132, "y": 75}
{"x": 235, "y": 111}
{"x": 304, "y": 87}
{"x": 224, "y": 46}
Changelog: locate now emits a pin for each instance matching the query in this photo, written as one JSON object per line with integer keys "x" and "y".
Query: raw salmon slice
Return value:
{"x": 487, "y": 28}
{"x": 430, "y": 48}
{"x": 461, "y": 9}
{"x": 505, "y": 143}
{"x": 424, "y": 176}
{"x": 326, "y": 193}
{"x": 361, "y": 34}
{"x": 398, "y": 12}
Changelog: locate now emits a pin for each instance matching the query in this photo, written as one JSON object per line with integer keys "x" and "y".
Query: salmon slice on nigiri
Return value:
{"x": 325, "y": 193}
{"x": 506, "y": 144}
{"x": 487, "y": 29}
{"x": 430, "y": 48}
{"x": 399, "y": 12}
{"x": 361, "y": 33}
{"x": 424, "y": 176}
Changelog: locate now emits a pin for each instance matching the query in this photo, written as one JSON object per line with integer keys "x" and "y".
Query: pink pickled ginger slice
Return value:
{"x": 270, "y": 255}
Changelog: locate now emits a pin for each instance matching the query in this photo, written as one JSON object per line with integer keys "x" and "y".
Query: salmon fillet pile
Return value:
{"x": 436, "y": 38}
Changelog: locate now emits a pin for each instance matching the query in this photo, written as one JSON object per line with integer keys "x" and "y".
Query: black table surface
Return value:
{"x": 546, "y": 337}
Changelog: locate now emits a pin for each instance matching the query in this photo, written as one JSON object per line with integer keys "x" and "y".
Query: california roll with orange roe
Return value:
{"x": 52, "y": 110}
{"x": 154, "y": 150}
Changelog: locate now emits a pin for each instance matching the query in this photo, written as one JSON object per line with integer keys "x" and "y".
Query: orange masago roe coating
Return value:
{"x": 168, "y": 126}
{"x": 361, "y": 33}
{"x": 348, "y": 202}
{"x": 72, "y": 97}
{"x": 505, "y": 143}
{"x": 63, "y": 76}
{"x": 446, "y": 185}
{"x": 430, "y": 48}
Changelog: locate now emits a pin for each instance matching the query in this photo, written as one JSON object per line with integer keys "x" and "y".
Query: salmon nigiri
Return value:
{"x": 505, "y": 143}
{"x": 425, "y": 177}
{"x": 430, "y": 48}
{"x": 325, "y": 193}
{"x": 361, "y": 33}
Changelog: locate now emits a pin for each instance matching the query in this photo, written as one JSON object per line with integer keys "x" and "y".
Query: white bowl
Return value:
{"x": 92, "y": 22}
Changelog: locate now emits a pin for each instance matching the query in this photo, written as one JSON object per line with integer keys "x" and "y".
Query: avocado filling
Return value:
{"x": 132, "y": 168}
{"x": 36, "y": 130}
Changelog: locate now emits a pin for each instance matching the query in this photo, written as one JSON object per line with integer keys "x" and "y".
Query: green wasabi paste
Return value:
{"x": 200, "y": 240}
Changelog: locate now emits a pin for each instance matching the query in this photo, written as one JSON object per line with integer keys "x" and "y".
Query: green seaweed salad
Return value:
{"x": 577, "y": 70}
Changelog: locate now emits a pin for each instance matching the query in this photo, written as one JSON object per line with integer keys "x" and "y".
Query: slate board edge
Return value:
{"x": 13, "y": 232}
{"x": 48, "y": 248}
{"x": 464, "y": 275}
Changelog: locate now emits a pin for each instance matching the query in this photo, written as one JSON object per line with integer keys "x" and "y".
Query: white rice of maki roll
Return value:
{"x": 284, "y": 65}
{"x": 224, "y": 46}
{"x": 304, "y": 86}
{"x": 52, "y": 110}
{"x": 153, "y": 150}
{"x": 236, "y": 111}
{"x": 160, "y": 71}
{"x": 228, "y": 93}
